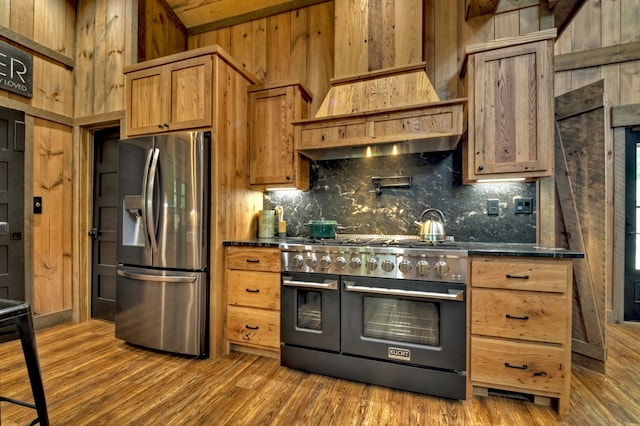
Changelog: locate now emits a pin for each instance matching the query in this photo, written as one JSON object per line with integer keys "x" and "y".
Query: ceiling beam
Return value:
{"x": 285, "y": 6}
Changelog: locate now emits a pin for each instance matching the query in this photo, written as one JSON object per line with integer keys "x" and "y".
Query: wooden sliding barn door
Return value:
{"x": 583, "y": 174}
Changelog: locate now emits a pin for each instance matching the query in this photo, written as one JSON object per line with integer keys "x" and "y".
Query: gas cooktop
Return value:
{"x": 383, "y": 256}
{"x": 375, "y": 240}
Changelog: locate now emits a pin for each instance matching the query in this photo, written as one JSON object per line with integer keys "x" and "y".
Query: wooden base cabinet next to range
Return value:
{"x": 521, "y": 327}
{"x": 253, "y": 300}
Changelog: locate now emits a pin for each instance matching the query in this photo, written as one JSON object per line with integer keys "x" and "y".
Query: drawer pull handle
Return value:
{"x": 519, "y": 367}
{"x": 519, "y": 277}
{"x": 248, "y": 327}
{"x": 253, "y": 260}
{"x": 524, "y": 318}
{"x": 251, "y": 290}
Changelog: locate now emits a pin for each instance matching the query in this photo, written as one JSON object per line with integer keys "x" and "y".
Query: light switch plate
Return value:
{"x": 493, "y": 207}
{"x": 523, "y": 205}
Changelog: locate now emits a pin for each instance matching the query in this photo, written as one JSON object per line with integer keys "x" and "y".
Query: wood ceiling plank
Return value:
{"x": 201, "y": 16}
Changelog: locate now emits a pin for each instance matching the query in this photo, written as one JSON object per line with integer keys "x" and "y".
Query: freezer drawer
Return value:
{"x": 163, "y": 310}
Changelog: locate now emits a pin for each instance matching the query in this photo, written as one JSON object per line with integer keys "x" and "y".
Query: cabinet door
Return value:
{"x": 271, "y": 136}
{"x": 190, "y": 97}
{"x": 175, "y": 96}
{"x": 146, "y": 101}
{"x": 511, "y": 122}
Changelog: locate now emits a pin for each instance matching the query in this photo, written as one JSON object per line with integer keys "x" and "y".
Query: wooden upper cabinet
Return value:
{"x": 510, "y": 105}
{"x": 169, "y": 97}
{"x": 274, "y": 162}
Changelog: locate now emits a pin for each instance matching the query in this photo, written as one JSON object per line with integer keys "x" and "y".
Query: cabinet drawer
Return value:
{"x": 521, "y": 275}
{"x": 253, "y": 259}
{"x": 249, "y": 326}
{"x": 334, "y": 135}
{"x": 519, "y": 315}
{"x": 529, "y": 366}
{"x": 253, "y": 288}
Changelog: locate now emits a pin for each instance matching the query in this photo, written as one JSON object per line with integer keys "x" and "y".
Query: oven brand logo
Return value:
{"x": 399, "y": 353}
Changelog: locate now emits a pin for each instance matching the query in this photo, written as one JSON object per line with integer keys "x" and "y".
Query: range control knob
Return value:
{"x": 311, "y": 262}
{"x": 387, "y": 265}
{"x": 297, "y": 261}
{"x": 372, "y": 264}
{"x": 325, "y": 261}
{"x": 341, "y": 262}
{"x": 441, "y": 267}
{"x": 423, "y": 267}
{"x": 405, "y": 266}
{"x": 354, "y": 263}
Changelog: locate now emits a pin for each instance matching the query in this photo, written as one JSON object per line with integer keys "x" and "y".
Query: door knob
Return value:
{"x": 94, "y": 232}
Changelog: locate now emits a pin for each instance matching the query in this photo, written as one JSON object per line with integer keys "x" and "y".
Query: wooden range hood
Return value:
{"x": 391, "y": 110}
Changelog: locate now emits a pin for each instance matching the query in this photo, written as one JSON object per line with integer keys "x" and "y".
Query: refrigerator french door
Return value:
{"x": 162, "y": 242}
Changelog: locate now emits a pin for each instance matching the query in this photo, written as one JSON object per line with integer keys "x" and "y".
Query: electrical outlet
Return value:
{"x": 493, "y": 207}
{"x": 523, "y": 205}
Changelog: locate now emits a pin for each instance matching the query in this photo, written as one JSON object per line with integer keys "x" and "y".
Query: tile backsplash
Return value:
{"x": 343, "y": 190}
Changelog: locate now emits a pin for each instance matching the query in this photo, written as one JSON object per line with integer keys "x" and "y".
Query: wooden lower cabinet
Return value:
{"x": 252, "y": 321}
{"x": 521, "y": 327}
{"x": 253, "y": 327}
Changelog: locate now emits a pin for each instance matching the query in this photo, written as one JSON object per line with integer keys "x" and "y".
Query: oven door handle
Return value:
{"x": 326, "y": 285}
{"x": 455, "y": 295}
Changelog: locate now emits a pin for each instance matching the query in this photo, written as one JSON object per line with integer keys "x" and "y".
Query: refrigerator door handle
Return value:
{"x": 145, "y": 178}
{"x": 159, "y": 278}
{"x": 150, "y": 180}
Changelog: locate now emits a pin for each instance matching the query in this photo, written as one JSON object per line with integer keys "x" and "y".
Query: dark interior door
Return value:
{"x": 632, "y": 203}
{"x": 105, "y": 201}
{"x": 11, "y": 204}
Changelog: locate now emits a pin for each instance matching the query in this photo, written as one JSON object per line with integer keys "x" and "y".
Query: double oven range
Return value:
{"x": 389, "y": 311}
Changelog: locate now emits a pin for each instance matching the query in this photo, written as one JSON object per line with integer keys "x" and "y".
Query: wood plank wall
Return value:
{"x": 159, "y": 30}
{"x": 602, "y": 24}
{"x": 100, "y": 57}
{"x": 447, "y": 32}
{"x": 295, "y": 45}
{"x": 51, "y": 24}
{"x": 299, "y": 45}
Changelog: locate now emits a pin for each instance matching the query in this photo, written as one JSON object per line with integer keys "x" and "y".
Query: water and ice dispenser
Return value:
{"x": 132, "y": 221}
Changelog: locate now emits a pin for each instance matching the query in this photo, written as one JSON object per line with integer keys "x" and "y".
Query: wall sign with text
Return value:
{"x": 16, "y": 70}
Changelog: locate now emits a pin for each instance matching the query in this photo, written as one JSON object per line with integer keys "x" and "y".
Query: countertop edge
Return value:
{"x": 473, "y": 248}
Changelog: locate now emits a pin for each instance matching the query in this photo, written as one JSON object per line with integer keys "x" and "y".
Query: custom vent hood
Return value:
{"x": 393, "y": 109}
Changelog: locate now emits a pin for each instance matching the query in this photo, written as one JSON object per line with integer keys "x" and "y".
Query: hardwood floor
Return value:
{"x": 91, "y": 378}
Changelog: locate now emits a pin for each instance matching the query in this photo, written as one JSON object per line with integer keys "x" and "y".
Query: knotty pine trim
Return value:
{"x": 36, "y": 47}
{"x": 36, "y": 112}
{"x": 596, "y": 57}
{"x": 100, "y": 120}
{"x": 40, "y": 322}
{"x": 254, "y": 15}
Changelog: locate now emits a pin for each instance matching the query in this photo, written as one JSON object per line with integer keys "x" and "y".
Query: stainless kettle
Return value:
{"x": 430, "y": 229}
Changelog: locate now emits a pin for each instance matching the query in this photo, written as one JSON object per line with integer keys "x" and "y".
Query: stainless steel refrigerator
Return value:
{"x": 162, "y": 242}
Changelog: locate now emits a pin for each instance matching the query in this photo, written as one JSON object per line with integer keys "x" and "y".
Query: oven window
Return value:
{"x": 401, "y": 320}
{"x": 309, "y": 313}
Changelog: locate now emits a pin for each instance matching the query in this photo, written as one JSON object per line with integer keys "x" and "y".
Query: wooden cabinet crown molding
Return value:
{"x": 202, "y": 51}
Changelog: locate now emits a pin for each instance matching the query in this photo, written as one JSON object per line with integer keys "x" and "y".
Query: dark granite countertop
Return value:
{"x": 473, "y": 248}
{"x": 518, "y": 249}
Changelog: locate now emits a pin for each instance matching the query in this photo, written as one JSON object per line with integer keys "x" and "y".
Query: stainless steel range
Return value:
{"x": 386, "y": 310}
